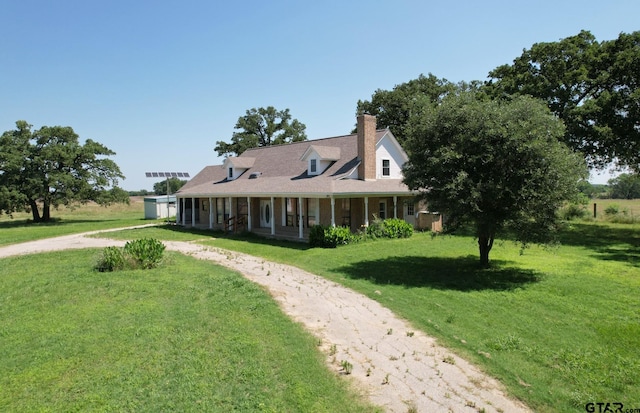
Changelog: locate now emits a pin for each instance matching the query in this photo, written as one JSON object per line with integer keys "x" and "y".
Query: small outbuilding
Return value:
{"x": 161, "y": 206}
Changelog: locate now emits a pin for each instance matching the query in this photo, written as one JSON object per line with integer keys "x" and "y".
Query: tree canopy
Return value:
{"x": 625, "y": 186}
{"x": 394, "y": 108}
{"x": 160, "y": 188}
{"x": 592, "y": 86}
{"x": 494, "y": 165}
{"x": 262, "y": 127}
{"x": 49, "y": 166}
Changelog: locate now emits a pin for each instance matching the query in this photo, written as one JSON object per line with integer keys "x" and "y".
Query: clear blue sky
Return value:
{"x": 160, "y": 82}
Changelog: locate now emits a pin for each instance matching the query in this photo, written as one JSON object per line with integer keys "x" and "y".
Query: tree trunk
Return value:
{"x": 34, "y": 211}
{"x": 485, "y": 242}
{"x": 46, "y": 211}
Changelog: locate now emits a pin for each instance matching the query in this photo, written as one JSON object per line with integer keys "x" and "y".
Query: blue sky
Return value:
{"x": 159, "y": 82}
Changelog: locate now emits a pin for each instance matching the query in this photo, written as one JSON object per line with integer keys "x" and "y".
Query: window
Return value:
{"x": 383, "y": 210}
{"x": 313, "y": 167}
{"x": 345, "y": 212}
{"x": 220, "y": 210}
{"x": 312, "y": 204}
{"x": 410, "y": 209}
{"x": 386, "y": 170}
{"x": 292, "y": 212}
{"x": 230, "y": 173}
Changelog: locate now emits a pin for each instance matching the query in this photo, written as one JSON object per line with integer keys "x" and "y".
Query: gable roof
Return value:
{"x": 283, "y": 171}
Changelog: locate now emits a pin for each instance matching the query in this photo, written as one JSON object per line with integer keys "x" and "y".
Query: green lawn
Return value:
{"x": 559, "y": 326}
{"x": 189, "y": 336}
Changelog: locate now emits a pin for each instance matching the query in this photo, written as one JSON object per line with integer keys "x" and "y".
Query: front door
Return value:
{"x": 265, "y": 213}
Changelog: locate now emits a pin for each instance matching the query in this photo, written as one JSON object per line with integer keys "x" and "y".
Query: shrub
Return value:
{"x": 142, "y": 253}
{"x": 112, "y": 259}
{"x": 612, "y": 209}
{"x": 573, "y": 211}
{"x": 146, "y": 252}
{"x": 329, "y": 237}
{"x": 389, "y": 228}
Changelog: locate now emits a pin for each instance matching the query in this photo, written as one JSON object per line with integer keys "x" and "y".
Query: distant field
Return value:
{"x": 631, "y": 206}
{"x": 66, "y": 220}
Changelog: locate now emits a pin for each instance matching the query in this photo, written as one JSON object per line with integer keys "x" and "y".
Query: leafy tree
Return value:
{"x": 495, "y": 165}
{"x": 50, "y": 167}
{"x": 592, "y": 86}
{"x": 394, "y": 108}
{"x": 160, "y": 188}
{"x": 262, "y": 127}
{"x": 625, "y": 186}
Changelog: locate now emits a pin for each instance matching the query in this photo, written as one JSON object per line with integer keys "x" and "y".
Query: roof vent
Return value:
{"x": 255, "y": 175}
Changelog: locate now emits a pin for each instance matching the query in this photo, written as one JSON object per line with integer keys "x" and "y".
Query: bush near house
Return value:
{"x": 389, "y": 228}
{"x": 331, "y": 237}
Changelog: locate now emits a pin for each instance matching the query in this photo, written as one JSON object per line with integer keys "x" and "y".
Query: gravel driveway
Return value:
{"x": 395, "y": 365}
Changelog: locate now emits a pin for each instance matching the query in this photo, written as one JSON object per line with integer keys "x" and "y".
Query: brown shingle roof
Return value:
{"x": 283, "y": 172}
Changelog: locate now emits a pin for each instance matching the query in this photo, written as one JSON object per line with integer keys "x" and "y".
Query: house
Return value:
{"x": 282, "y": 191}
{"x": 161, "y": 206}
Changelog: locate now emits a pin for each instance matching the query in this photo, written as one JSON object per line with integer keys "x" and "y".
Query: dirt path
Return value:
{"x": 397, "y": 366}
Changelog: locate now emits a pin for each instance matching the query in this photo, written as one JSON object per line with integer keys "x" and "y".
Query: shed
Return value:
{"x": 156, "y": 207}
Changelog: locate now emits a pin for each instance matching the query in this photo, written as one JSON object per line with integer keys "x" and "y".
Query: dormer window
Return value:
{"x": 319, "y": 158}
{"x": 386, "y": 170}
{"x": 236, "y": 166}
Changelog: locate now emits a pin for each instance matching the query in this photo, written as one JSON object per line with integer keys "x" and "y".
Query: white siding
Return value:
{"x": 386, "y": 149}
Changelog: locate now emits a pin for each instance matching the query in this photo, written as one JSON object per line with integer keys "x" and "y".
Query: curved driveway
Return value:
{"x": 394, "y": 364}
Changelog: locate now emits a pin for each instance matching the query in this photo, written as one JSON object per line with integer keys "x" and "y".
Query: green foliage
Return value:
{"x": 612, "y": 209}
{"x": 146, "y": 252}
{"x": 625, "y": 186}
{"x": 329, "y": 236}
{"x": 393, "y": 108}
{"x": 389, "y": 228}
{"x": 160, "y": 188}
{"x": 112, "y": 259}
{"x": 573, "y": 211}
{"x": 49, "y": 165}
{"x": 262, "y": 127}
{"x": 592, "y": 86}
{"x": 496, "y": 165}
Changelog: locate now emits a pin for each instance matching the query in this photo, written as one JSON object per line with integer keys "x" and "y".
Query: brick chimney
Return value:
{"x": 367, "y": 147}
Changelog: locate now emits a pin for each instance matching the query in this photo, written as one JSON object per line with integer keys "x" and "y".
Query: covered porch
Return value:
{"x": 289, "y": 217}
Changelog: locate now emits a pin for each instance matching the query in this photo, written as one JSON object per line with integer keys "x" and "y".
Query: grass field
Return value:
{"x": 82, "y": 218}
{"x": 190, "y": 336}
{"x": 559, "y": 326}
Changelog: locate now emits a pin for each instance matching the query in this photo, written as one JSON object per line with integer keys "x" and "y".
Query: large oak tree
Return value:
{"x": 594, "y": 87}
{"x": 494, "y": 165}
{"x": 262, "y": 127}
{"x": 49, "y": 167}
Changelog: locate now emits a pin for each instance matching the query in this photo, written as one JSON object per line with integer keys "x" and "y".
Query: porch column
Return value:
{"x": 177, "y": 209}
{"x": 366, "y": 211}
{"x": 300, "y": 220}
{"x": 395, "y": 207}
{"x": 210, "y": 213}
{"x": 333, "y": 211}
{"x": 182, "y": 218}
{"x": 193, "y": 212}
{"x": 273, "y": 220}
{"x": 249, "y": 214}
